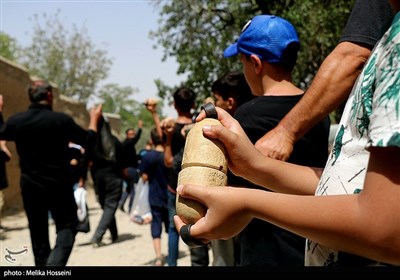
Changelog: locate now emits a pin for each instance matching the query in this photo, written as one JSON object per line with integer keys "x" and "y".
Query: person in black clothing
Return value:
{"x": 106, "y": 170}
{"x": 230, "y": 91}
{"x": 41, "y": 137}
{"x": 175, "y": 132}
{"x": 130, "y": 163}
{"x": 5, "y": 156}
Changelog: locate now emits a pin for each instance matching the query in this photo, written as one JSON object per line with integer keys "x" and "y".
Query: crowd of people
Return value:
{"x": 330, "y": 207}
{"x": 294, "y": 200}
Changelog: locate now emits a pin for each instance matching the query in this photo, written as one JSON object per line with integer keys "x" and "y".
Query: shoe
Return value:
{"x": 137, "y": 219}
{"x": 96, "y": 243}
{"x": 159, "y": 261}
{"x": 114, "y": 239}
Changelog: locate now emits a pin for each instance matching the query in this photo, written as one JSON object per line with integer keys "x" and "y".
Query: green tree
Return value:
{"x": 68, "y": 58}
{"x": 198, "y": 36}
{"x": 8, "y": 47}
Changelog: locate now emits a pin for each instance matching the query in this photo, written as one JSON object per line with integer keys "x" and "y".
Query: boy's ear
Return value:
{"x": 257, "y": 63}
{"x": 231, "y": 102}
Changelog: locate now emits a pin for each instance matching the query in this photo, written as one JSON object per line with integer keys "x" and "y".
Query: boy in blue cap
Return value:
{"x": 268, "y": 47}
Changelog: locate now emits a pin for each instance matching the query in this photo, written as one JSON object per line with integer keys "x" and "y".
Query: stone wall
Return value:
{"x": 14, "y": 80}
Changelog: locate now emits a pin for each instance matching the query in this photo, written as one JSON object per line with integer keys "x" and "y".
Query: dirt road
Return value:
{"x": 133, "y": 248}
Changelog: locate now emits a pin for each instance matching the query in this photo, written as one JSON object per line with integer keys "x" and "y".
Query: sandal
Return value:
{"x": 159, "y": 261}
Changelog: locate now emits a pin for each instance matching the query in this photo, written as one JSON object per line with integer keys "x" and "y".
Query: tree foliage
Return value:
{"x": 119, "y": 100}
{"x": 8, "y": 47}
{"x": 197, "y": 32}
{"x": 68, "y": 58}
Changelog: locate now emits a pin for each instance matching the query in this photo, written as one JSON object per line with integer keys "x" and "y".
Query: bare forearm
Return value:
{"x": 283, "y": 177}
{"x": 168, "y": 157}
{"x": 330, "y": 88}
{"x": 366, "y": 224}
{"x": 156, "y": 120}
{"x": 321, "y": 219}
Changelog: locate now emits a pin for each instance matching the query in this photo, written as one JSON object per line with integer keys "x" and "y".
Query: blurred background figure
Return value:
{"x": 106, "y": 169}
{"x": 130, "y": 164}
{"x": 5, "y": 156}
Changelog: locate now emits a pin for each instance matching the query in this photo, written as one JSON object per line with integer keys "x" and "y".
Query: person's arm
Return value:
{"x": 5, "y": 154}
{"x": 330, "y": 88}
{"x": 95, "y": 115}
{"x": 168, "y": 127}
{"x": 138, "y": 132}
{"x": 151, "y": 106}
{"x": 133, "y": 141}
{"x": 365, "y": 224}
{"x": 246, "y": 161}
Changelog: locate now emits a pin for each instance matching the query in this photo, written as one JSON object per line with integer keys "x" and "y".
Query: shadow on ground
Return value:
{"x": 121, "y": 238}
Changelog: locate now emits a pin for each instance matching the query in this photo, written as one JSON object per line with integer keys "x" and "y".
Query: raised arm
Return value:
{"x": 138, "y": 132}
{"x": 168, "y": 127}
{"x": 151, "y": 106}
{"x": 95, "y": 115}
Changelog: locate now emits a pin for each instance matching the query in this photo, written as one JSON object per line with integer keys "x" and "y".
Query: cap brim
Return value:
{"x": 231, "y": 50}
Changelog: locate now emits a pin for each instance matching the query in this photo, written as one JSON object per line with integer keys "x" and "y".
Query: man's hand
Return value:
{"x": 95, "y": 115}
{"x": 151, "y": 105}
{"x": 168, "y": 126}
{"x": 277, "y": 144}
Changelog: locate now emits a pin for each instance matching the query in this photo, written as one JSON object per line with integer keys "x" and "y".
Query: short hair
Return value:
{"x": 289, "y": 56}
{"x": 38, "y": 90}
{"x": 128, "y": 129}
{"x": 155, "y": 137}
{"x": 288, "y": 59}
{"x": 233, "y": 84}
{"x": 184, "y": 99}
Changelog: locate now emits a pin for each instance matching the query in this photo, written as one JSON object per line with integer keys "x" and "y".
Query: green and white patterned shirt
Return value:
{"x": 371, "y": 119}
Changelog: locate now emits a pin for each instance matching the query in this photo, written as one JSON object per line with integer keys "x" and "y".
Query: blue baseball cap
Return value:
{"x": 266, "y": 36}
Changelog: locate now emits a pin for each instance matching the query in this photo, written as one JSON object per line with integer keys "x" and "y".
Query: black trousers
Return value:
{"x": 58, "y": 199}
{"x": 109, "y": 189}
{"x": 199, "y": 256}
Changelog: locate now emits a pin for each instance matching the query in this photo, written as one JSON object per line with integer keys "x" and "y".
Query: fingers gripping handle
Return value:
{"x": 210, "y": 111}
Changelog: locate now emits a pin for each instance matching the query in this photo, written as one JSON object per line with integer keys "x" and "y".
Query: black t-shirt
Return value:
{"x": 367, "y": 22}
{"x": 263, "y": 113}
{"x": 130, "y": 156}
{"x": 107, "y": 155}
{"x": 177, "y": 146}
{"x": 262, "y": 243}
